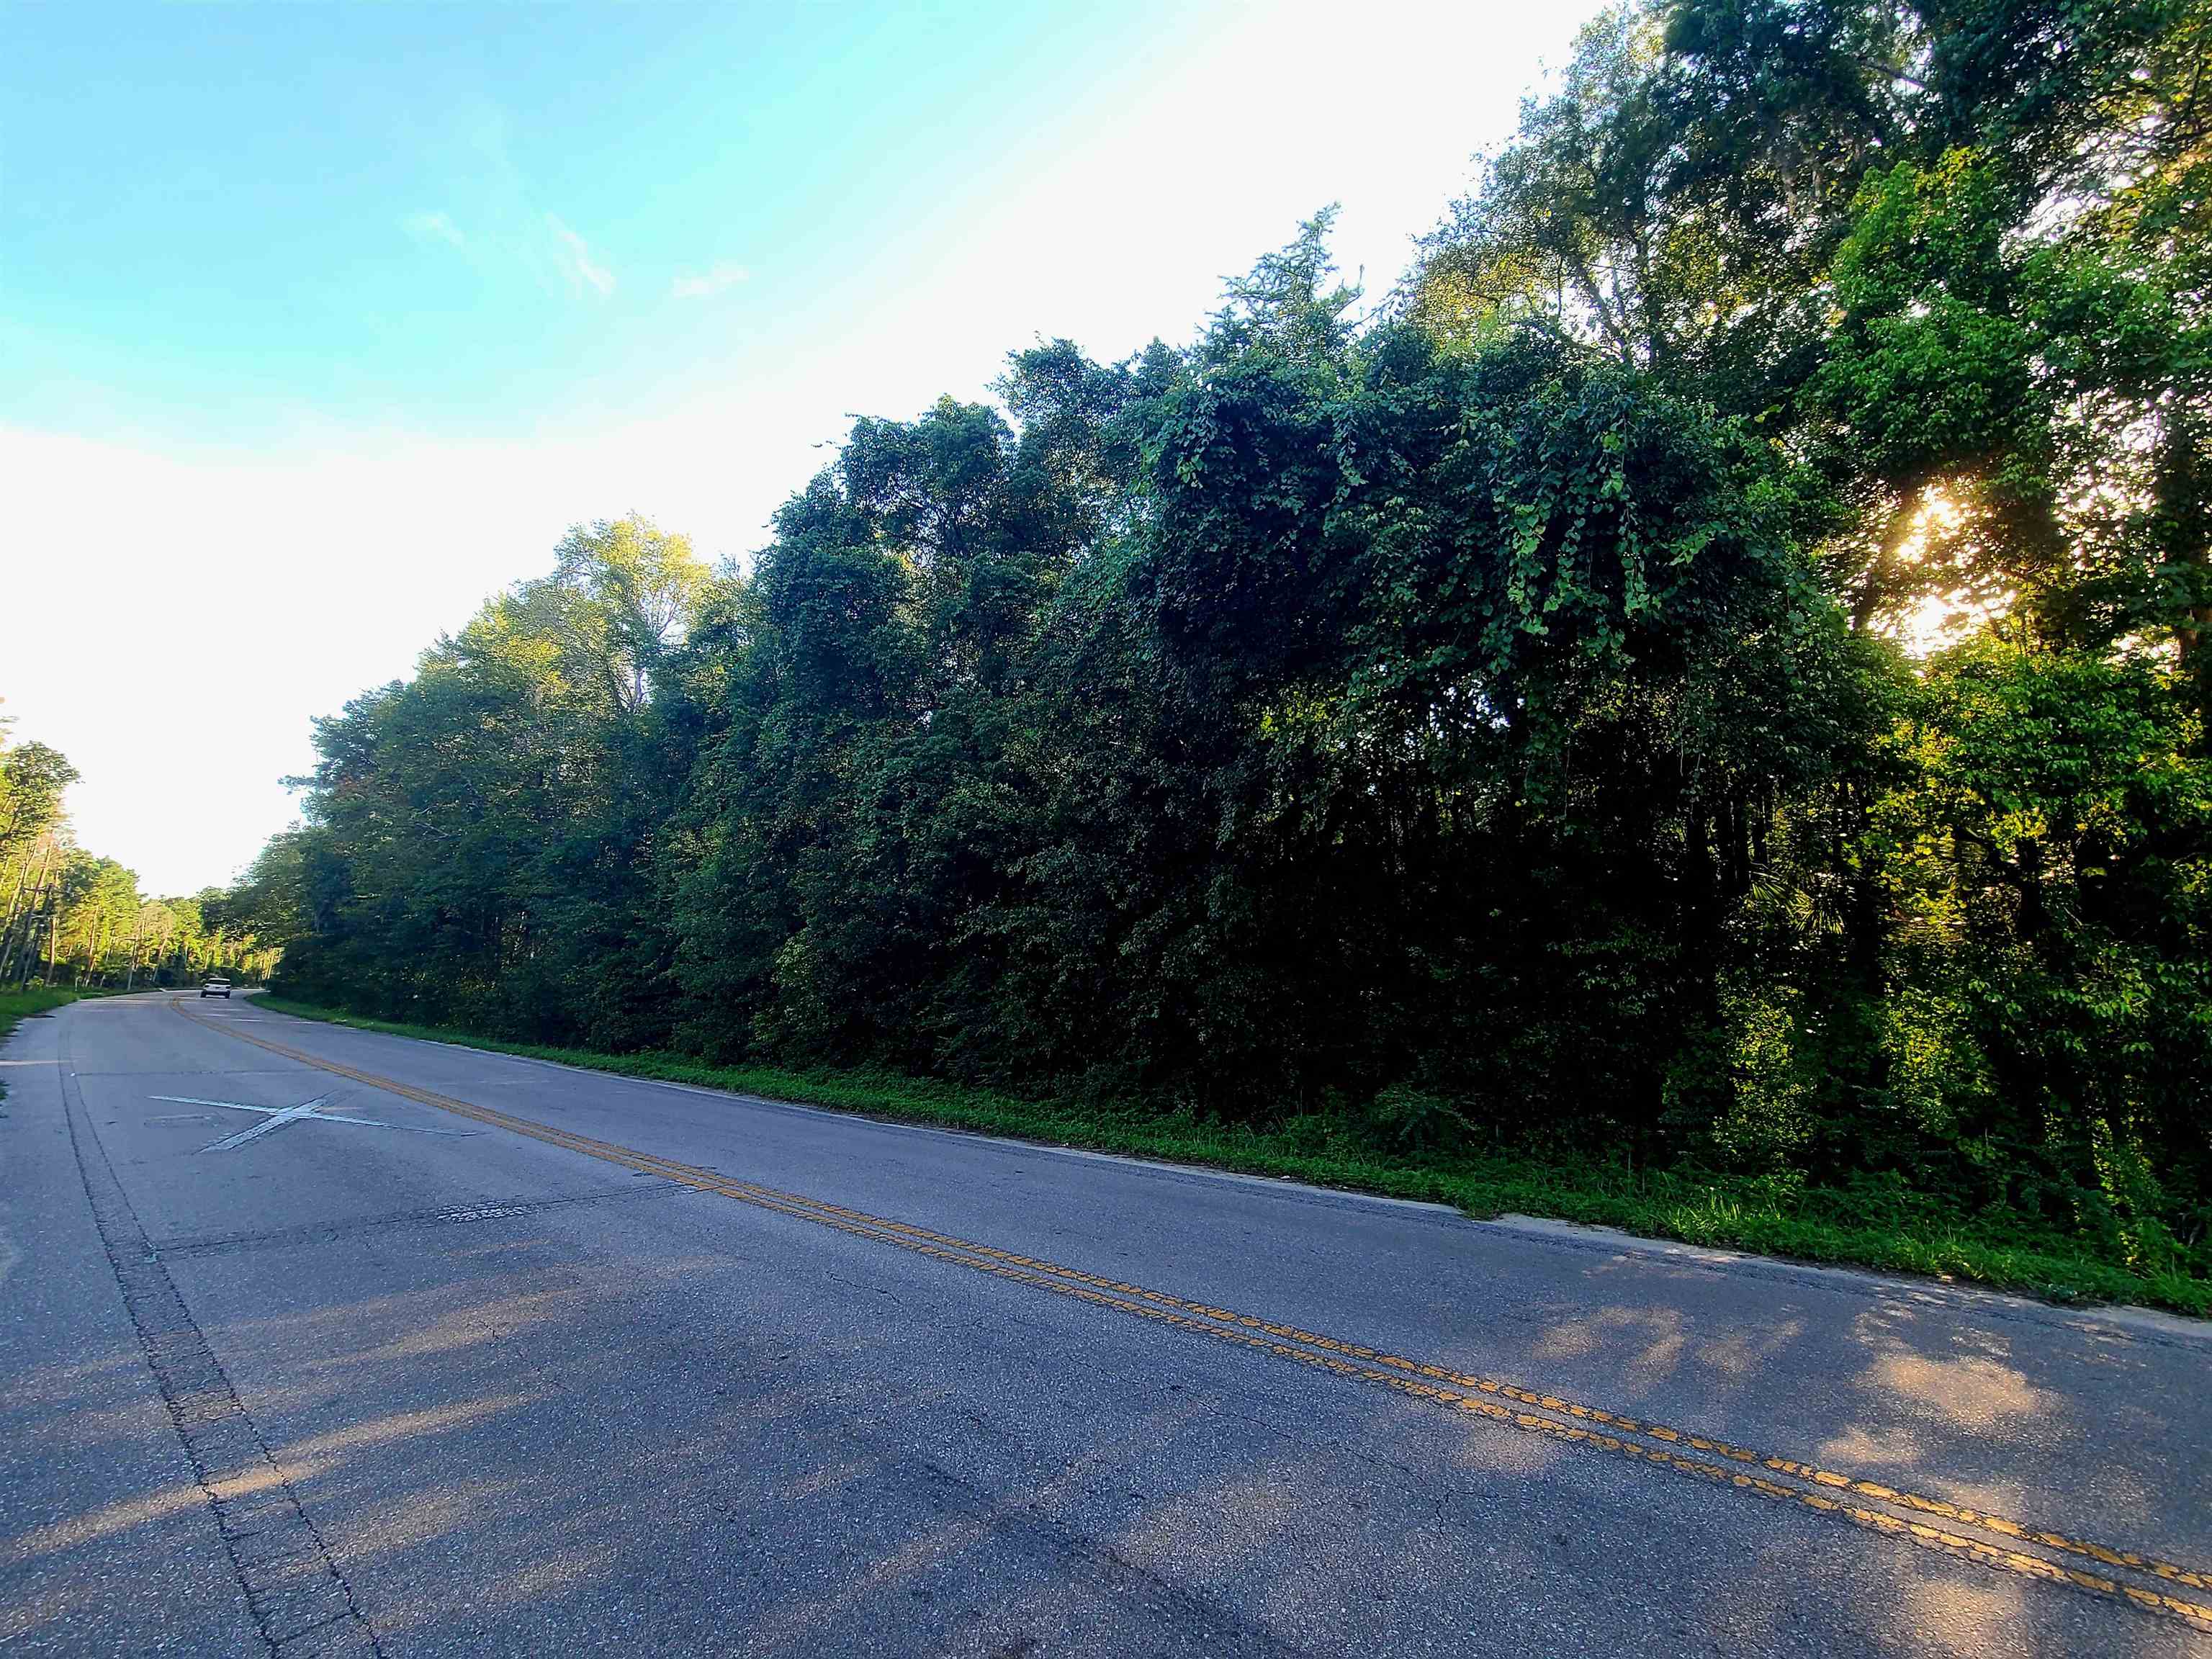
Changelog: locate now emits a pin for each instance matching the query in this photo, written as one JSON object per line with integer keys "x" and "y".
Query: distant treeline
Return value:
{"x": 71, "y": 918}
{"x": 1709, "y": 669}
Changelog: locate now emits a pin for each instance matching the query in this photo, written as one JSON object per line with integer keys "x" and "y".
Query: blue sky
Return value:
{"x": 447, "y": 217}
{"x": 319, "y": 324}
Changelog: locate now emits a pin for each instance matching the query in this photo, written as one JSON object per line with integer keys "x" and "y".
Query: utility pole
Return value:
{"x": 33, "y": 914}
{"x": 15, "y": 887}
{"x": 17, "y": 935}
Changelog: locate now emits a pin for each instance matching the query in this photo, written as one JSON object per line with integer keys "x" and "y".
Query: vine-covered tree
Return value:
{"x": 1712, "y": 668}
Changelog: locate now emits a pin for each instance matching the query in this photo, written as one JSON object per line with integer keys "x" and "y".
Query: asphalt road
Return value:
{"x": 536, "y": 1361}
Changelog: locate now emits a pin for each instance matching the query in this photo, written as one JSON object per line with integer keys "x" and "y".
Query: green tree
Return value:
{"x": 1521, "y": 711}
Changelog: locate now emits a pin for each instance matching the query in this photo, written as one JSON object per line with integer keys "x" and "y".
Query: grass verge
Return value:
{"x": 17, "y": 1007}
{"x": 1878, "y": 1224}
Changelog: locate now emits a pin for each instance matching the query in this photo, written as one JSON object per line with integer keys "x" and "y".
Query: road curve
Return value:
{"x": 318, "y": 1341}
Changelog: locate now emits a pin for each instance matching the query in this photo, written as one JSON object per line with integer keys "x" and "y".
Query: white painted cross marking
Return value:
{"x": 275, "y": 1117}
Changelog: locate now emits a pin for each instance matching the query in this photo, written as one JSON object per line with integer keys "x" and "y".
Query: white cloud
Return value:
{"x": 722, "y": 275}
{"x": 577, "y": 263}
{"x": 246, "y": 591}
{"x": 434, "y": 226}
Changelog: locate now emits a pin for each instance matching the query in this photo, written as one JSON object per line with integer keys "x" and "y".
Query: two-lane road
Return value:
{"x": 320, "y": 1341}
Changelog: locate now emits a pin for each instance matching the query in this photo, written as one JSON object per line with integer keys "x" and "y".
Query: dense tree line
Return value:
{"x": 71, "y": 918}
{"x": 1711, "y": 669}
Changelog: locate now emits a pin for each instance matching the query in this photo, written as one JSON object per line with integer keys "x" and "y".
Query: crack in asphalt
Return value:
{"x": 321, "y": 1232}
{"x": 1651, "y": 1445}
{"x": 294, "y": 1589}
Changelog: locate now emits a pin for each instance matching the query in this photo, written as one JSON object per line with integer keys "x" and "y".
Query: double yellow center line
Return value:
{"x": 1655, "y": 1445}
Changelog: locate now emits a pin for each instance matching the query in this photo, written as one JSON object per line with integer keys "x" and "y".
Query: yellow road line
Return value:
{"x": 1424, "y": 1381}
{"x": 2166, "y": 1570}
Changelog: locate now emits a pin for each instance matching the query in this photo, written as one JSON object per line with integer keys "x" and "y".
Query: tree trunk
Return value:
{"x": 16, "y": 888}
{"x": 2182, "y": 520}
{"x": 20, "y": 927}
{"x": 19, "y": 942}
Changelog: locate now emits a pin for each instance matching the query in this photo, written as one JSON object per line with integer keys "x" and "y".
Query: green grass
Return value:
{"x": 17, "y": 1007}
{"x": 1873, "y": 1224}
